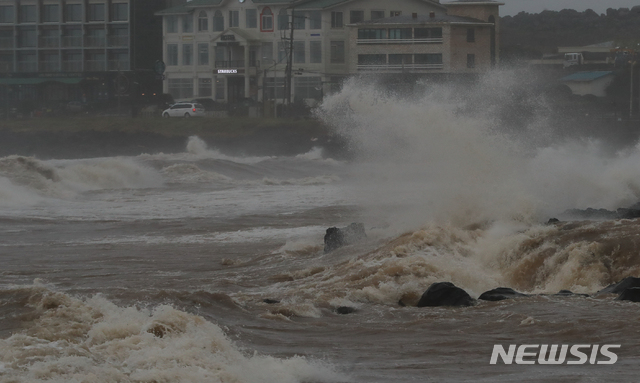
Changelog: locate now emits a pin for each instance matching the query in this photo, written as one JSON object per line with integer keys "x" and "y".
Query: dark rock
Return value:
{"x": 551, "y": 221}
{"x": 591, "y": 214}
{"x": 337, "y": 237}
{"x": 445, "y": 294}
{"x": 619, "y": 287}
{"x": 270, "y": 301}
{"x": 632, "y": 294}
{"x": 628, "y": 213}
{"x": 567, "y": 293}
{"x": 500, "y": 293}
{"x": 344, "y": 310}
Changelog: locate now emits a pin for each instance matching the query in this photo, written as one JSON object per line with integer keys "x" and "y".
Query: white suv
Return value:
{"x": 184, "y": 109}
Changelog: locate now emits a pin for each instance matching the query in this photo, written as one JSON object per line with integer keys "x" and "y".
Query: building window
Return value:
{"x": 336, "y": 20}
{"x": 395, "y": 13}
{"x": 218, "y": 21}
{"x": 471, "y": 61}
{"x": 267, "y": 53}
{"x": 251, "y": 18}
{"x": 337, "y": 52}
{"x": 234, "y": 19}
{"x": 172, "y": 54}
{"x": 282, "y": 51}
{"x": 427, "y": 33}
{"x": 50, "y": 13}
{"x": 73, "y": 12}
{"x": 203, "y": 54}
{"x": 308, "y": 87}
{"x": 377, "y": 59}
{"x": 375, "y": 15}
{"x": 172, "y": 24}
{"x": 283, "y": 19}
{"x": 96, "y": 12}
{"x": 400, "y": 59}
{"x": 27, "y": 14}
{"x": 299, "y": 53}
{"x": 266, "y": 20}
{"x": 119, "y": 12}
{"x": 471, "y": 35}
{"x": 274, "y": 87}
{"x": 400, "y": 33}
{"x": 204, "y": 87}
{"x": 119, "y": 61}
{"x": 220, "y": 88}
{"x": 187, "y": 54}
{"x": 356, "y": 16}
{"x": 203, "y": 22}
{"x": 181, "y": 88}
{"x": 219, "y": 53}
{"x": 372, "y": 34}
{"x": 27, "y": 37}
{"x": 315, "y": 20}
{"x": 27, "y": 61}
{"x": 315, "y": 52}
{"x": 6, "y": 14}
{"x": 428, "y": 58}
{"x": 187, "y": 24}
{"x": 299, "y": 21}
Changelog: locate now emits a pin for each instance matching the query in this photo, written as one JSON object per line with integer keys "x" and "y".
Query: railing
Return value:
{"x": 401, "y": 41}
{"x": 95, "y": 65}
{"x": 94, "y": 42}
{"x": 6, "y": 42}
{"x": 237, "y": 64}
{"x": 399, "y": 67}
{"x": 72, "y": 41}
{"x": 49, "y": 66}
{"x": 118, "y": 65}
{"x": 50, "y": 42}
{"x": 118, "y": 41}
{"x": 27, "y": 66}
{"x": 72, "y": 66}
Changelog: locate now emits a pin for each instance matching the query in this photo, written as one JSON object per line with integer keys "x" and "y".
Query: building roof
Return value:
{"x": 201, "y": 3}
{"x": 586, "y": 76}
{"x": 323, "y": 4}
{"x": 424, "y": 19}
{"x": 474, "y": 2}
{"x": 179, "y": 10}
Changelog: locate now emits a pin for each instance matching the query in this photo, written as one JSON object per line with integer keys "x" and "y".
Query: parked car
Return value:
{"x": 208, "y": 103}
{"x": 183, "y": 109}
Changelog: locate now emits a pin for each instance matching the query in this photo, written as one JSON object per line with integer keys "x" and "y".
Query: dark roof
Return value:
{"x": 460, "y": 2}
{"x": 179, "y": 10}
{"x": 425, "y": 19}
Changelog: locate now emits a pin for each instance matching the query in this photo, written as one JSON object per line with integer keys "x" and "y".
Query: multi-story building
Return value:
{"x": 237, "y": 49}
{"x": 84, "y": 50}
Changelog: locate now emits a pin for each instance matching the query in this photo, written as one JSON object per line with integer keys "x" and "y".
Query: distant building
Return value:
{"x": 584, "y": 83}
{"x": 231, "y": 50}
{"x": 83, "y": 50}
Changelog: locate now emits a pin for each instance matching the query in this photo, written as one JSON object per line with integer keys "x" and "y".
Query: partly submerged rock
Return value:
{"x": 568, "y": 293}
{"x": 445, "y": 294}
{"x": 344, "y": 310}
{"x": 619, "y": 287}
{"x": 337, "y": 237}
{"x": 500, "y": 293}
{"x": 632, "y": 294}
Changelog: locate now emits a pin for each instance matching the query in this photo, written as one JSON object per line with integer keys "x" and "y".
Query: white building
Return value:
{"x": 235, "y": 49}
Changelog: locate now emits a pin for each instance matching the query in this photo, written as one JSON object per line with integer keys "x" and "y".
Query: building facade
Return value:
{"x": 76, "y": 50}
{"x": 230, "y": 50}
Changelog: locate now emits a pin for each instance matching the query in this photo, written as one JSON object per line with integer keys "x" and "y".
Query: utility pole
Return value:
{"x": 289, "y": 71}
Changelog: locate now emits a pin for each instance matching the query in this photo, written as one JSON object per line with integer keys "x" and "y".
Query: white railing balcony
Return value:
{"x": 438, "y": 40}
{"x": 118, "y": 65}
{"x": 49, "y": 66}
{"x": 119, "y": 41}
{"x": 6, "y": 43}
{"x": 72, "y": 41}
{"x": 95, "y": 66}
{"x": 399, "y": 67}
{"x": 27, "y": 66}
{"x": 94, "y": 42}
{"x": 49, "y": 42}
{"x": 72, "y": 66}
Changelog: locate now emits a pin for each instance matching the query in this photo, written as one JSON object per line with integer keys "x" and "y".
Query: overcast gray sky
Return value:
{"x": 513, "y": 7}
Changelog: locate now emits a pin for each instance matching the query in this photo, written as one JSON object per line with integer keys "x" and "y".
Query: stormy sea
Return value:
{"x": 209, "y": 266}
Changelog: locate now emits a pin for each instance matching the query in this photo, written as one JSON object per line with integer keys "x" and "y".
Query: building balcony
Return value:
{"x": 6, "y": 43}
{"x": 72, "y": 66}
{"x": 94, "y": 42}
{"x": 401, "y": 41}
{"x": 27, "y": 66}
{"x": 49, "y": 42}
{"x": 118, "y": 65}
{"x": 72, "y": 41}
{"x": 399, "y": 68}
{"x": 236, "y": 64}
{"x": 118, "y": 41}
{"x": 49, "y": 66}
{"x": 95, "y": 66}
